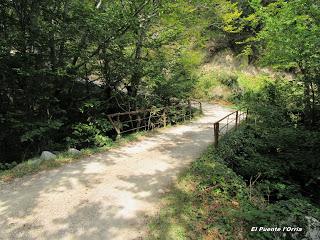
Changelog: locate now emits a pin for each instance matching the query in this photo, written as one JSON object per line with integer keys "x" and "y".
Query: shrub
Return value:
{"x": 289, "y": 213}
{"x": 228, "y": 79}
{"x": 5, "y": 166}
{"x": 90, "y": 134}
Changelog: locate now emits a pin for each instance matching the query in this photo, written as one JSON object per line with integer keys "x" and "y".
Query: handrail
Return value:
{"x": 151, "y": 118}
{"x": 226, "y": 117}
{"x": 128, "y": 113}
{"x": 218, "y": 130}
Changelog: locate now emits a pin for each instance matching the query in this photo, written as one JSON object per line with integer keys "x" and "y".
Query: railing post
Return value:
{"x": 138, "y": 123}
{"x": 200, "y": 107}
{"x": 190, "y": 109}
{"x": 164, "y": 117}
{"x": 237, "y": 119}
{"x": 117, "y": 128}
{"x": 149, "y": 120}
{"x": 216, "y": 134}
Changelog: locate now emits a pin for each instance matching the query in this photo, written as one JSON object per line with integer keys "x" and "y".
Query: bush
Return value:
{"x": 228, "y": 79}
{"x": 279, "y": 165}
{"x": 287, "y": 156}
{"x": 212, "y": 201}
{"x": 290, "y": 213}
{"x": 90, "y": 134}
{"x": 6, "y": 166}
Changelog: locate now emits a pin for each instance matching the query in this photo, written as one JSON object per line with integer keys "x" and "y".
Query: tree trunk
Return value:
{"x": 137, "y": 71}
{"x": 307, "y": 106}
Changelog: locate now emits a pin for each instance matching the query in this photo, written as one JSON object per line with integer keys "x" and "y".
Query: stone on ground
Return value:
{"x": 46, "y": 155}
{"x": 74, "y": 151}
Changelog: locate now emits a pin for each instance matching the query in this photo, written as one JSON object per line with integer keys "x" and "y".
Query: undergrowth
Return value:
{"x": 239, "y": 186}
{"x": 228, "y": 85}
{"x": 265, "y": 174}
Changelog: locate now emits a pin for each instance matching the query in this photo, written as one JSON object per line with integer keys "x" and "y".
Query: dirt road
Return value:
{"x": 108, "y": 195}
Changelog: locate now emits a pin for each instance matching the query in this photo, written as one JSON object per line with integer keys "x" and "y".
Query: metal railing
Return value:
{"x": 231, "y": 121}
{"x": 149, "y": 119}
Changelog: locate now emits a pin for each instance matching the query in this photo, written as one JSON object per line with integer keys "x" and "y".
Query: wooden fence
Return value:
{"x": 148, "y": 119}
{"x": 227, "y": 123}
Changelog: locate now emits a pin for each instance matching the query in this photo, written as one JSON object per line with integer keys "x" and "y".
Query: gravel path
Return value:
{"x": 108, "y": 195}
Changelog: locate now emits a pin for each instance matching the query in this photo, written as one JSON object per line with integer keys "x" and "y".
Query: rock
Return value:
{"x": 313, "y": 231}
{"x": 74, "y": 151}
{"x": 46, "y": 155}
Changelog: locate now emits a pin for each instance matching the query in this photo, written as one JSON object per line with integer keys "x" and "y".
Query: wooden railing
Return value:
{"x": 227, "y": 123}
{"x": 149, "y": 119}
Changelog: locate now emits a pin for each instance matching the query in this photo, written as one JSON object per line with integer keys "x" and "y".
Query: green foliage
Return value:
{"x": 200, "y": 202}
{"x": 280, "y": 103}
{"x": 264, "y": 174}
{"x": 91, "y": 134}
{"x": 283, "y": 157}
{"x": 292, "y": 212}
{"x": 289, "y": 41}
{"x": 38, "y": 130}
{"x": 204, "y": 86}
{"x": 5, "y": 166}
{"x": 65, "y": 63}
{"x": 211, "y": 201}
{"x": 228, "y": 79}
{"x": 276, "y": 145}
{"x": 253, "y": 82}
{"x": 229, "y": 85}
{"x": 291, "y": 34}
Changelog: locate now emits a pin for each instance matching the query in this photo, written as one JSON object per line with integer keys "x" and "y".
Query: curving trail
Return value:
{"x": 108, "y": 195}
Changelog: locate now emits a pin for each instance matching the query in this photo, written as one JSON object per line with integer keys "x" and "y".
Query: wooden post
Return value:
{"x": 237, "y": 119}
{"x": 118, "y": 131}
{"x": 247, "y": 114}
{"x": 149, "y": 120}
{"x": 138, "y": 123}
{"x": 216, "y": 134}
{"x": 118, "y": 128}
{"x": 164, "y": 118}
{"x": 190, "y": 109}
{"x": 200, "y": 107}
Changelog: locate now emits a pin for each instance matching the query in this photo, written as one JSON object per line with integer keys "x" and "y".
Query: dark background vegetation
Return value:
{"x": 66, "y": 64}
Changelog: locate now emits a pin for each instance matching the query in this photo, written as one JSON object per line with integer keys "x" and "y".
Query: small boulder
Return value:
{"x": 313, "y": 229}
{"x": 74, "y": 151}
{"x": 46, "y": 155}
